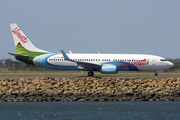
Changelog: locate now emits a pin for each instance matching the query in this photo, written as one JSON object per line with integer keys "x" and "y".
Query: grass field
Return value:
{"x": 77, "y": 73}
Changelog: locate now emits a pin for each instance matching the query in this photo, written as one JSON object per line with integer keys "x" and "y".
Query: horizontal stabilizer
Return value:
{"x": 16, "y": 55}
{"x": 22, "y": 58}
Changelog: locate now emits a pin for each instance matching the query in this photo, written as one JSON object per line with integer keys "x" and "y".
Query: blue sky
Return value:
{"x": 105, "y": 26}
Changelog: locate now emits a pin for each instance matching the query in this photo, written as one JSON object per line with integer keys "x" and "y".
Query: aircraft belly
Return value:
{"x": 150, "y": 68}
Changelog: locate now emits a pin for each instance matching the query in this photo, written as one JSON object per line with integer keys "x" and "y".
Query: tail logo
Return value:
{"x": 18, "y": 34}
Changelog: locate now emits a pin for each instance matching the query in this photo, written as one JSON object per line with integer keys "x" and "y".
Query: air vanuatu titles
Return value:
{"x": 22, "y": 38}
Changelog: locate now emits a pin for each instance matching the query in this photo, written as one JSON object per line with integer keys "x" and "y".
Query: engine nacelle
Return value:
{"x": 109, "y": 69}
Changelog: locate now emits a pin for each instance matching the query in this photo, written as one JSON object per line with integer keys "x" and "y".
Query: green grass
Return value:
{"x": 34, "y": 74}
{"x": 85, "y": 74}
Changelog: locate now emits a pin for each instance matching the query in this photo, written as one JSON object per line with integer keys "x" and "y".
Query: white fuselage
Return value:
{"x": 124, "y": 62}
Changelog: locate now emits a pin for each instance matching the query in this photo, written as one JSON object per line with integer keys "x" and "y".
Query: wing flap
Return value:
{"x": 88, "y": 65}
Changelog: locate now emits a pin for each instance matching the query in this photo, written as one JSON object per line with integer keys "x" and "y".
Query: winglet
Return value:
{"x": 65, "y": 56}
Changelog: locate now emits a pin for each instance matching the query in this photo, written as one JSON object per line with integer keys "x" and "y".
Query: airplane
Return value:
{"x": 104, "y": 63}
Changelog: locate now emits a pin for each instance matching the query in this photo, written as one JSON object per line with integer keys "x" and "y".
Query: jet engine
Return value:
{"x": 109, "y": 69}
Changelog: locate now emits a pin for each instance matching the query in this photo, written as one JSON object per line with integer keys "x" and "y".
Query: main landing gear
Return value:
{"x": 156, "y": 74}
{"x": 90, "y": 73}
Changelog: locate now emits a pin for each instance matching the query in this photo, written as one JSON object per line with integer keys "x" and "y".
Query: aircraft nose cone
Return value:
{"x": 170, "y": 64}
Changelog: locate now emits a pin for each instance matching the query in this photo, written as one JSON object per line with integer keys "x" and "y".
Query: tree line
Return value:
{"x": 176, "y": 63}
{"x": 14, "y": 65}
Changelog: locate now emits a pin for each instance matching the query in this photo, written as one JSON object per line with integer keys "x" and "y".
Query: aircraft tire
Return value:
{"x": 90, "y": 73}
{"x": 156, "y": 74}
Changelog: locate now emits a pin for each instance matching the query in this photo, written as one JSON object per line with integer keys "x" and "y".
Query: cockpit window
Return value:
{"x": 163, "y": 60}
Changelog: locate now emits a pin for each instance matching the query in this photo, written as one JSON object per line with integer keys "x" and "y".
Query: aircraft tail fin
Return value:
{"x": 23, "y": 45}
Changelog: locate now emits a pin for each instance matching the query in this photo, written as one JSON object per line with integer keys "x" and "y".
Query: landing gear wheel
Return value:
{"x": 90, "y": 73}
{"x": 156, "y": 74}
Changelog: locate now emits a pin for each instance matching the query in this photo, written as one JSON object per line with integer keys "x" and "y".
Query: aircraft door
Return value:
{"x": 153, "y": 61}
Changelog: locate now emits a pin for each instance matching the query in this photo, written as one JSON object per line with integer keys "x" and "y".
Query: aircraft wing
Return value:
{"x": 82, "y": 64}
{"x": 87, "y": 65}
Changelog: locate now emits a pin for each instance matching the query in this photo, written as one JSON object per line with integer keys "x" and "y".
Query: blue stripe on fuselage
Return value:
{"x": 42, "y": 61}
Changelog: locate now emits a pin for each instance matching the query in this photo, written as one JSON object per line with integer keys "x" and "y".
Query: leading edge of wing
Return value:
{"x": 82, "y": 64}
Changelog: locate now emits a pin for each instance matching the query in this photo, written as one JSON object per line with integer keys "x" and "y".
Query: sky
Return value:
{"x": 92, "y": 26}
